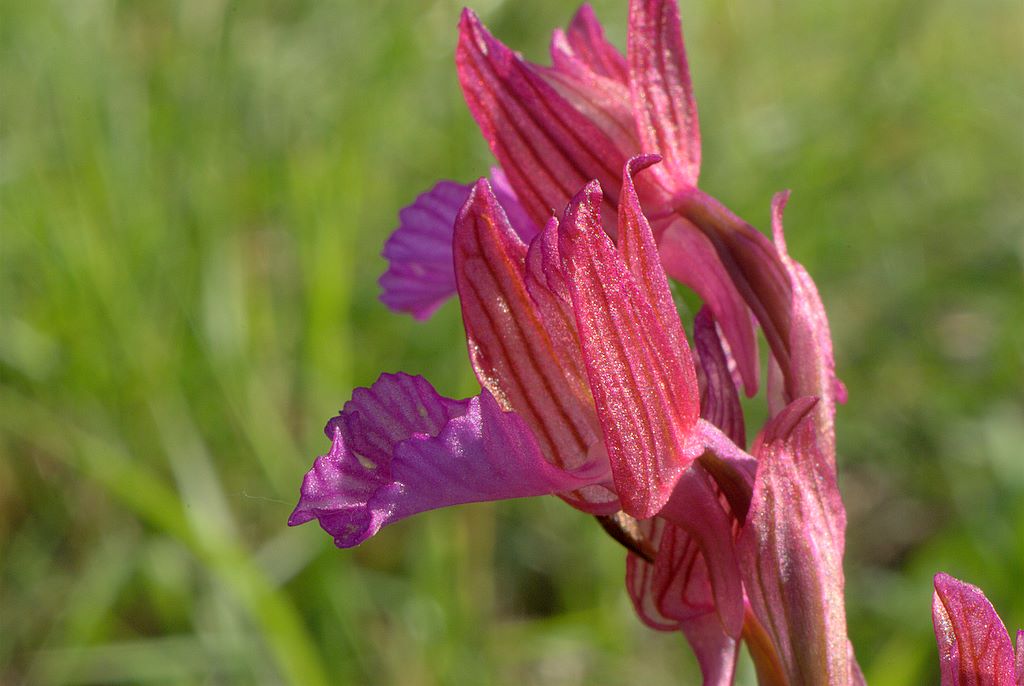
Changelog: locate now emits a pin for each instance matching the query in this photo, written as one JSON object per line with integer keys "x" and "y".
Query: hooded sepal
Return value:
{"x": 641, "y": 375}
{"x": 546, "y": 146}
{"x": 974, "y": 646}
{"x": 791, "y": 551}
{"x": 527, "y": 363}
{"x": 811, "y": 370}
{"x": 664, "y": 108}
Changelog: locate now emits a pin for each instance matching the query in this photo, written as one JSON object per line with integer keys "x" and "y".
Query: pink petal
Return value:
{"x": 690, "y": 257}
{"x": 791, "y": 551}
{"x": 602, "y": 99}
{"x": 716, "y": 651}
{"x": 676, "y": 593}
{"x": 643, "y": 590}
{"x": 512, "y": 353}
{"x": 694, "y": 508}
{"x": 644, "y": 387}
{"x": 640, "y": 253}
{"x": 399, "y": 448}
{"x": 524, "y": 227}
{"x": 732, "y": 468}
{"x": 719, "y": 402}
{"x": 752, "y": 263}
{"x": 419, "y": 277}
{"x": 663, "y": 103}
{"x": 546, "y": 284}
{"x": 546, "y": 147}
{"x": 585, "y": 38}
{"x": 811, "y": 366}
{"x": 974, "y": 646}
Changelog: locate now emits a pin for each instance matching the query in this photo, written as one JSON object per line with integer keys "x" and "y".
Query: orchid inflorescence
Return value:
{"x": 591, "y": 390}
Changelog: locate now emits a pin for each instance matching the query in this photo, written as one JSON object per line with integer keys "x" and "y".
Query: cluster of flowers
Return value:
{"x": 590, "y": 388}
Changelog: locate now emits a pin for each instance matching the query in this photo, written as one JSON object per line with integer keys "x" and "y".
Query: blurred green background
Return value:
{"x": 194, "y": 198}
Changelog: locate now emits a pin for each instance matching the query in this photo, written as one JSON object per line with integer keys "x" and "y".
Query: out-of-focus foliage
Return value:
{"x": 194, "y": 196}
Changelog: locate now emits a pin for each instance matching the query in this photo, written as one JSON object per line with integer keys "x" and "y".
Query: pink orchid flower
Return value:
{"x": 974, "y": 646}
{"x": 553, "y": 129}
{"x": 590, "y": 389}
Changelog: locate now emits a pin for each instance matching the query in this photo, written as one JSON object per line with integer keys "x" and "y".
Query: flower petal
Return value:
{"x": 676, "y": 593}
{"x": 791, "y": 550}
{"x": 644, "y": 387}
{"x": 719, "y": 402}
{"x": 752, "y": 263}
{"x": 640, "y": 577}
{"x": 398, "y": 448}
{"x": 690, "y": 257}
{"x": 715, "y": 650}
{"x": 586, "y": 39}
{"x": 663, "y": 103}
{"x": 512, "y": 353}
{"x": 419, "y": 277}
{"x": 602, "y": 99}
{"x": 547, "y": 148}
{"x": 695, "y": 509}
{"x": 640, "y": 253}
{"x": 811, "y": 366}
{"x": 974, "y": 646}
{"x": 524, "y": 227}
{"x": 732, "y": 468}
{"x": 546, "y": 284}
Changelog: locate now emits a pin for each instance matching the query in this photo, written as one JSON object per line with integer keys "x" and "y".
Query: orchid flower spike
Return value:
{"x": 590, "y": 388}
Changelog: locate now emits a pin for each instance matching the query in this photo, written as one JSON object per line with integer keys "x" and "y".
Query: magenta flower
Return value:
{"x": 590, "y": 389}
{"x": 974, "y": 646}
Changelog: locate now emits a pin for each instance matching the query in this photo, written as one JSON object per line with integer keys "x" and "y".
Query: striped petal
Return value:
{"x": 811, "y": 365}
{"x": 514, "y": 356}
{"x": 791, "y": 551}
{"x": 663, "y": 104}
{"x": 719, "y": 402}
{"x": 602, "y": 98}
{"x": 642, "y": 378}
{"x": 547, "y": 147}
{"x": 585, "y": 37}
{"x": 974, "y": 646}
